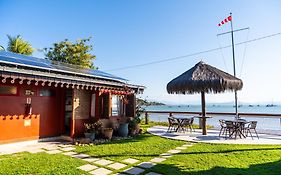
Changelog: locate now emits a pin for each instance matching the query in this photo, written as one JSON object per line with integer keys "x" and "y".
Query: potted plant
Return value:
{"x": 123, "y": 128}
{"x": 107, "y": 133}
{"x": 92, "y": 129}
{"x": 134, "y": 124}
{"x": 89, "y": 131}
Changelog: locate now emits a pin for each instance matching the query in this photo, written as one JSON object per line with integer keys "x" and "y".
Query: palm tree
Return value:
{"x": 18, "y": 45}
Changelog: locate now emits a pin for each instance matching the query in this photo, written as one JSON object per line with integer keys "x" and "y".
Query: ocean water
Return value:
{"x": 264, "y": 122}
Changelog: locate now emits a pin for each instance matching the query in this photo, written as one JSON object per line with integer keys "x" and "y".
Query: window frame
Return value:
{"x": 17, "y": 87}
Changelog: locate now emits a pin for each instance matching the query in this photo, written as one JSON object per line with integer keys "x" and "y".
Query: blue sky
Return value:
{"x": 129, "y": 32}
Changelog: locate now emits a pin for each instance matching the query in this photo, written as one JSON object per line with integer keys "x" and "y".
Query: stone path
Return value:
{"x": 101, "y": 166}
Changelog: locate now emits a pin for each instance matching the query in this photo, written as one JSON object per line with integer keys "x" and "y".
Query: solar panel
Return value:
{"x": 40, "y": 63}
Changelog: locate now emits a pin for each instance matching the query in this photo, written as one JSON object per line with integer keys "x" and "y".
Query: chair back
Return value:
{"x": 229, "y": 124}
{"x": 191, "y": 120}
{"x": 253, "y": 124}
{"x": 222, "y": 122}
{"x": 171, "y": 120}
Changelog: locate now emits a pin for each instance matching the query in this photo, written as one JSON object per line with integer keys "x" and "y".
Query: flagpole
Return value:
{"x": 234, "y": 69}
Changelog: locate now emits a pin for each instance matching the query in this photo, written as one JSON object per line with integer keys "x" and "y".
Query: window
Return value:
{"x": 93, "y": 105}
{"x": 116, "y": 105}
{"x": 8, "y": 90}
{"x": 47, "y": 93}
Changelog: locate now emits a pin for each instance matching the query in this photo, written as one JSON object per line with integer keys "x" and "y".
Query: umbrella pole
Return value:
{"x": 204, "y": 129}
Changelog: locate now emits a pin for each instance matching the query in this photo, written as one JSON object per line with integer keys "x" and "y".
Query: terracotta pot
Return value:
{"x": 107, "y": 133}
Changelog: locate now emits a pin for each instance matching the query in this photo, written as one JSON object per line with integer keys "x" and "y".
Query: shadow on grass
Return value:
{"x": 271, "y": 168}
{"x": 228, "y": 151}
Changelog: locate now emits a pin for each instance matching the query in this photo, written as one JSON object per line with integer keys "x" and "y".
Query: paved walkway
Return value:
{"x": 213, "y": 137}
{"x": 95, "y": 166}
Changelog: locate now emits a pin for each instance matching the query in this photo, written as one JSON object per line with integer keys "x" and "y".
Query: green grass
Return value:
{"x": 40, "y": 163}
{"x": 219, "y": 159}
{"x": 200, "y": 159}
{"x": 143, "y": 148}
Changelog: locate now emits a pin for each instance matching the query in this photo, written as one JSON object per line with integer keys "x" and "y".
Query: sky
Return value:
{"x": 127, "y": 33}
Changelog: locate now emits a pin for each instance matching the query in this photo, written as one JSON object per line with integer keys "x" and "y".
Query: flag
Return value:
{"x": 229, "y": 18}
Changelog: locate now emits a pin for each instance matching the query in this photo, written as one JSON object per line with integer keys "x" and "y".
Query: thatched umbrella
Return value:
{"x": 203, "y": 78}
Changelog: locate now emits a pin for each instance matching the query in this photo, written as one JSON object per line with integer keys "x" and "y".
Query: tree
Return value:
{"x": 18, "y": 45}
{"x": 73, "y": 53}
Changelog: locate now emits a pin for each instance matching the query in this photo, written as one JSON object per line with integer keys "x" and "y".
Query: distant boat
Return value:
{"x": 270, "y": 105}
{"x": 251, "y": 106}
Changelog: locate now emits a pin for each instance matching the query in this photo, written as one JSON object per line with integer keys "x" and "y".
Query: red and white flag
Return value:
{"x": 229, "y": 18}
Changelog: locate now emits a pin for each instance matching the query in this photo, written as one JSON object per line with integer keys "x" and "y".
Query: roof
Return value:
{"x": 52, "y": 71}
{"x": 204, "y": 78}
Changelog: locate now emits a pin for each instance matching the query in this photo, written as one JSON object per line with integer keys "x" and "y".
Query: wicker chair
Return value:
{"x": 173, "y": 124}
{"x": 251, "y": 126}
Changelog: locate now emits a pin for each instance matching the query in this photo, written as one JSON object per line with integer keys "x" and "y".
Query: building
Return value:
{"x": 40, "y": 98}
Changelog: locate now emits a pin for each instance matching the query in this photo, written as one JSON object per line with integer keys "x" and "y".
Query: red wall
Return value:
{"x": 50, "y": 110}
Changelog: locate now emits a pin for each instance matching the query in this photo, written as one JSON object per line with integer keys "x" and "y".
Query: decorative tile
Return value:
{"x": 117, "y": 166}
{"x": 53, "y": 152}
{"x": 146, "y": 164}
{"x": 130, "y": 161}
{"x": 134, "y": 170}
{"x": 157, "y": 159}
{"x": 101, "y": 171}
{"x": 103, "y": 162}
{"x": 87, "y": 167}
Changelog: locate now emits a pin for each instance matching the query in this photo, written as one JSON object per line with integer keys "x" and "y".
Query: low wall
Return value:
{"x": 14, "y": 128}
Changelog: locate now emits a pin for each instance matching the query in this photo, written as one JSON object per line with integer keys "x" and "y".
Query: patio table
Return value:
{"x": 237, "y": 128}
{"x": 181, "y": 121}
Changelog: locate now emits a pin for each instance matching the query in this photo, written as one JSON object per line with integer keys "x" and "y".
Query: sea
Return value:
{"x": 265, "y": 123}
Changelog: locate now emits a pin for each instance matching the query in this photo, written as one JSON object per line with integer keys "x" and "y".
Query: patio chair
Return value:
{"x": 173, "y": 124}
{"x": 223, "y": 127}
{"x": 187, "y": 124}
{"x": 230, "y": 127}
{"x": 251, "y": 126}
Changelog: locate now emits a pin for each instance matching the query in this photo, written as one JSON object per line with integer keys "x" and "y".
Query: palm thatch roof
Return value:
{"x": 204, "y": 78}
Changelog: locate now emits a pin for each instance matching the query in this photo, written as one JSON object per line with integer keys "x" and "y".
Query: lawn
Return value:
{"x": 200, "y": 159}
{"x": 40, "y": 163}
{"x": 219, "y": 159}
{"x": 143, "y": 148}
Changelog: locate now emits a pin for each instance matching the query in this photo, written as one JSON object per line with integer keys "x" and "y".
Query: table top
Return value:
{"x": 237, "y": 121}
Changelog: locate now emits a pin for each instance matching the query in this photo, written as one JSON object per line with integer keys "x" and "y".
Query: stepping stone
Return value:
{"x": 33, "y": 151}
{"x": 87, "y": 167}
{"x": 152, "y": 173}
{"x": 187, "y": 145}
{"x": 53, "y": 152}
{"x": 134, "y": 170}
{"x": 181, "y": 148}
{"x": 174, "y": 151}
{"x": 166, "y": 155}
{"x": 50, "y": 148}
{"x": 80, "y": 156}
{"x": 91, "y": 159}
{"x": 103, "y": 162}
{"x": 101, "y": 171}
{"x": 117, "y": 166}
{"x": 157, "y": 159}
{"x": 130, "y": 161}
{"x": 65, "y": 146}
{"x": 146, "y": 164}
{"x": 67, "y": 149}
{"x": 69, "y": 153}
